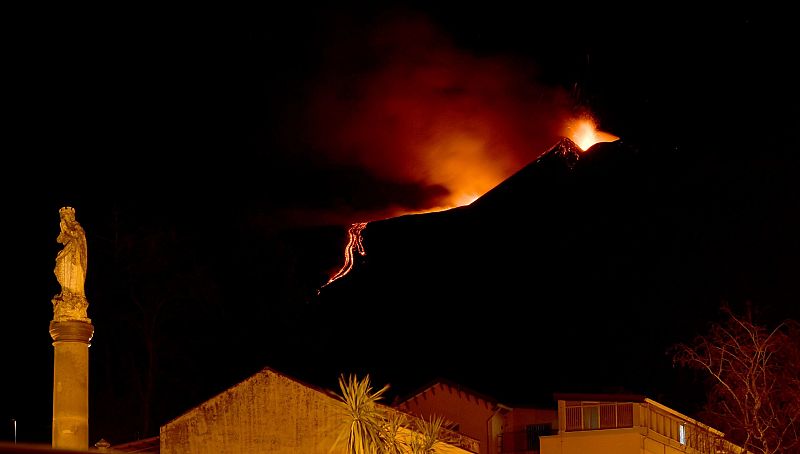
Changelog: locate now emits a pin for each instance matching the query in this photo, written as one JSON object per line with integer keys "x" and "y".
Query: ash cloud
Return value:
{"x": 399, "y": 100}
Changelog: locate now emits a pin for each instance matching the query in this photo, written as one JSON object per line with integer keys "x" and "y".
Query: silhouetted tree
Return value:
{"x": 161, "y": 288}
{"x": 754, "y": 376}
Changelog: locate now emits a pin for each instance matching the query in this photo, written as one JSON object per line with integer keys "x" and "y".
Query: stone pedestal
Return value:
{"x": 71, "y": 383}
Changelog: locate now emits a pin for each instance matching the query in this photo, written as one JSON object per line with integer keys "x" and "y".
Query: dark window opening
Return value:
{"x": 532, "y": 434}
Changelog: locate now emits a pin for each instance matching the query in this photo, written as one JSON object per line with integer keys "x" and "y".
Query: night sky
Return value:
{"x": 215, "y": 158}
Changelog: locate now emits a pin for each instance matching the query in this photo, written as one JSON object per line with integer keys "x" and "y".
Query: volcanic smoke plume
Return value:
{"x": 398, "y": 99}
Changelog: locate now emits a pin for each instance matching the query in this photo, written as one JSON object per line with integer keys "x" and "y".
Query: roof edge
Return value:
{"x": 601, "y": 397}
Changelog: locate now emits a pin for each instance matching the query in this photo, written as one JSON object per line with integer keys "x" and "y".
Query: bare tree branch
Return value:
{"x": 754, "y": 389}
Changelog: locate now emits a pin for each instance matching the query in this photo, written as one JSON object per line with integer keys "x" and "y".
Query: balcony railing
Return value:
{"x": 660, "y": 423}
{"x": 698, "y": 437}
{"x": 594, "y": 415}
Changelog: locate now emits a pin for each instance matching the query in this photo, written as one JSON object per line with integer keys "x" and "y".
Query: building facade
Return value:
{"x": 629, "y": 424}
{"x": 498, "y": 428}
{"x": 268, "y": 412}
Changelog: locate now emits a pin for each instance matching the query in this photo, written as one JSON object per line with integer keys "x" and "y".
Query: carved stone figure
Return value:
{"x": 70, "y": 270}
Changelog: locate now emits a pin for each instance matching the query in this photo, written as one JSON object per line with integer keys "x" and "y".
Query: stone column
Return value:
{"x": 71, "y": 330}
{"x": 71, "y": 383}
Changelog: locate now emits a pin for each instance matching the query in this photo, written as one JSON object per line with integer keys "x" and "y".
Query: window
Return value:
{"x": 532, "y": 434}
{"x": 591, "y": 417}
{"x": 682, "y": 433}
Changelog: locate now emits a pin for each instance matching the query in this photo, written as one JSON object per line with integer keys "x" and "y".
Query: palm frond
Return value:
{"x": 395, "y": 422}
{"x": 364, "y": 432}
{"x": 427, "y": 435}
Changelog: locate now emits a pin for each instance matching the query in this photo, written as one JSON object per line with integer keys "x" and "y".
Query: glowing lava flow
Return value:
{"x": 353, "y": 244}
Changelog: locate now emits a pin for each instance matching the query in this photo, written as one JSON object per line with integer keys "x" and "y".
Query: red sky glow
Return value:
{"x": 409, "y": 106}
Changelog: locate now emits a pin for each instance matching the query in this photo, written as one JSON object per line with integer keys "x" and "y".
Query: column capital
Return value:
{"x": 71, "y": 331}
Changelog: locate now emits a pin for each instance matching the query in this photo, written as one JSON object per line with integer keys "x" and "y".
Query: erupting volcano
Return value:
{"x": 582, "y": 131}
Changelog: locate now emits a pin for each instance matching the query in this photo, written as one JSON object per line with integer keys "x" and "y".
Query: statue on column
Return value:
{"x": 70, "y": 270}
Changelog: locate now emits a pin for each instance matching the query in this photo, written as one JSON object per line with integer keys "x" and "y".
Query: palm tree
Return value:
{"x": 366, "y": 429}
{"x": 371, "y": 428}
{"x": 396, "y": 422}
{"x": 427, "y": 435}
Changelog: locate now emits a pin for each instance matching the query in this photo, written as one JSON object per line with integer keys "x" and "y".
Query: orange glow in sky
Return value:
{"x": 469, "y": 164}
{"x": 469, "y": 167}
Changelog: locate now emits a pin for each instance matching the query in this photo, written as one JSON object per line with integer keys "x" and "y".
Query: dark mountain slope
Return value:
{"x": 582, "y": 267}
